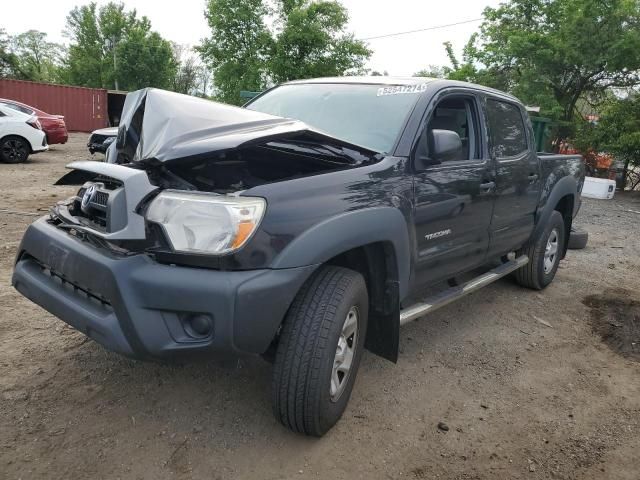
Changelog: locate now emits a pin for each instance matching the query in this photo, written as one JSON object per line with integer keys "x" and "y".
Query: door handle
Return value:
{"x": 533, "y": 177}
{"x": 487, "y": 186}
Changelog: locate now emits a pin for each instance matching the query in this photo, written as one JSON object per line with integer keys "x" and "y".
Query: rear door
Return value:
{"x": 517, "y": 174}
{"x": 453, "y": 200}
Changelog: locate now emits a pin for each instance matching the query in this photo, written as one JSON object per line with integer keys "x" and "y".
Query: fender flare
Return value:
{"x": 347, "y": 231}
{"x": 565, "y": 186}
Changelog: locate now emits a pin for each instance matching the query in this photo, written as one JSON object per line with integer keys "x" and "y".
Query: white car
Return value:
{"x": 20, "y": 135}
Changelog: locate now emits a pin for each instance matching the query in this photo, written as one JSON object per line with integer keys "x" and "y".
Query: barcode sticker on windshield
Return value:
{"x": 401, "y": 89}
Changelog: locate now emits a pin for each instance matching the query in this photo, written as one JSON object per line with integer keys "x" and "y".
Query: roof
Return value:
{"x": 385, "y": 80}
{"x": 374, "y": 80}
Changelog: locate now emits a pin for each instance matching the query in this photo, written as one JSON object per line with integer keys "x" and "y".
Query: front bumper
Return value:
{"x": 96, "y": 143}
{"x": 97, "y": 147}
{"x": 140, "y": 308}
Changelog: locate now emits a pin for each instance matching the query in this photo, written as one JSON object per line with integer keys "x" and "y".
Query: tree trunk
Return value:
{"x": 624, "y": 174}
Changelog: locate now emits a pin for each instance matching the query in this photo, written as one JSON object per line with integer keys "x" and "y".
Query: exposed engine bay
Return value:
{"x": 244, "y": 168}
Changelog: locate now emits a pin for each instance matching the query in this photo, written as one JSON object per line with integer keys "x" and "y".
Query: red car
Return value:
{"x": 52, "y": 125}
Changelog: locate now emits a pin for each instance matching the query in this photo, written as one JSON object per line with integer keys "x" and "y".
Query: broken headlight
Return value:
{"x": 204, "y": 223}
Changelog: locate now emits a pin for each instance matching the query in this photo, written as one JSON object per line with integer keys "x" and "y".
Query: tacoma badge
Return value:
{"x": 441, "y": 233}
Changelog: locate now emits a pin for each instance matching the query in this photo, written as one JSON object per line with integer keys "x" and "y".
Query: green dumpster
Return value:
{"x": 541, "y": 131}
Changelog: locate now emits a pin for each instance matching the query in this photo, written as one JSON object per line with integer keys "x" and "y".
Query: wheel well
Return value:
{"x": 20, "y": 137}
{"x": 565, "y": 207}
{"x": 378, "y": 265}
{"x": 376, "y": 262}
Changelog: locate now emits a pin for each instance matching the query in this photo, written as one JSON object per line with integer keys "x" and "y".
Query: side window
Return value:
{"x": 455, "y": 114}
{"x": 507, "y": 132}
{"x": 19, "y": 108}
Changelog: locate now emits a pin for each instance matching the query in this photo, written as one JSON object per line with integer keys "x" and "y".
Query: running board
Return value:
{"x": 454, "y": 293}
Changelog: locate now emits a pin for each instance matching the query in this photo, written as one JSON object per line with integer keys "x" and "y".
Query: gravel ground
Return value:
{"x": 531, "y": 385}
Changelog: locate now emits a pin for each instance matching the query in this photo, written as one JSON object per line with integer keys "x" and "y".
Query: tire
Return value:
{"x": 578, "y": 239}
{"x": 306, "y": 397}
{"x": 541, "y": 269}
{"x": 14, "y": 149}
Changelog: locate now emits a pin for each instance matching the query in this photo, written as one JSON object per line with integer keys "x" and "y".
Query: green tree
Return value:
{"x": 37, "y": 59}
{"x": 145, "y": 59}
{"x": 309, "y": 39}
{"x": 110, "y": 45}
{"x": 554, "y": 52}
{"x": 238, "y": 48}
{"x": 617, "y": 132}
{"x": 9, "y": 66}
{"x": 86, "y": 62}
{"x": 187, "y": 77}
{"x": 433, "y": 71}
{"x": 314, "y": 42}
{"x": 466, "y": 69}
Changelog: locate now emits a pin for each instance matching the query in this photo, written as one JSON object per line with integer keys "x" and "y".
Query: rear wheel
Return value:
{"x": 319, "y": 351}
{"x": 544, "y": 254}
{"x": 14, "y": 149}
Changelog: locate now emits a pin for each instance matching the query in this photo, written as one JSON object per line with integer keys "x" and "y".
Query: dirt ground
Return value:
{"x": 532, "y": 385}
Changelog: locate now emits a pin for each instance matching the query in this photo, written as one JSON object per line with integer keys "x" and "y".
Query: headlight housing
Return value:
{"x": 206, "y": 223}
{"x": 109, "y": 140}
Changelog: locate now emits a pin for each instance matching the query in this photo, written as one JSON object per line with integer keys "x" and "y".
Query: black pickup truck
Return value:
{"x": 305, "y": 227}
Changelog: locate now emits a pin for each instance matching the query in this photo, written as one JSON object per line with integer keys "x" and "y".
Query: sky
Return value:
{"x": 398, "y": 55}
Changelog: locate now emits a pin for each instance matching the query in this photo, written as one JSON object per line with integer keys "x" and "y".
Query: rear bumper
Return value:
{"x": 57, "y": 136}
{"x": 140, "y": 308}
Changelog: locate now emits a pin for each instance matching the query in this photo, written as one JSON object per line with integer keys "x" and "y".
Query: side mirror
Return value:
{"x": 445, "y": 145}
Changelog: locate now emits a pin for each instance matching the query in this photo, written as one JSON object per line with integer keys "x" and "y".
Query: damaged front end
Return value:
{"x": 191, "y": 143}
{"x": 174, "y": 181}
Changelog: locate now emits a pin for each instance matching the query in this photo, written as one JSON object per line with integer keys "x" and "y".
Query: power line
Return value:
{"x": 422, "y": 29}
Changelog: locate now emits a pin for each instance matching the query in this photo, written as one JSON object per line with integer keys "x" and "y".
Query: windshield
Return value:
{"x": 368, "y": 115}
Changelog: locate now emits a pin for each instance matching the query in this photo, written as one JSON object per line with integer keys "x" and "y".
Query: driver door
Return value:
{"x": 453, "y": 198}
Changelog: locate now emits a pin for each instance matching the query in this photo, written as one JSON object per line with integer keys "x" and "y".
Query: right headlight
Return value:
{"x": 206, "y": 223}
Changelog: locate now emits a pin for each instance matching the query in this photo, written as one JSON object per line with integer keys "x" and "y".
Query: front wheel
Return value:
{"x": 319, "y": 350}
{"x": 544, "y": 254}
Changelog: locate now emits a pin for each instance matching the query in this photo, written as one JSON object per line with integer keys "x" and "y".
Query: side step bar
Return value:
{"x": 452, "y": 294}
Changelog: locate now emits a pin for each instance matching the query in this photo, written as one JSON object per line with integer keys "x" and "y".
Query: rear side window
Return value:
{"x": 506, "y": 129}
{"x": 18, "y": 108}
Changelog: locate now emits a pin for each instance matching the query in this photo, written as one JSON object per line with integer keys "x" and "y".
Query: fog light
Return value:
{"x": 198, "y": 325}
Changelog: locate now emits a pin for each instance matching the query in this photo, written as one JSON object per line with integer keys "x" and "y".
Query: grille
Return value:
{"x": 96, "y": 210}
{"x": 100, "y": 198}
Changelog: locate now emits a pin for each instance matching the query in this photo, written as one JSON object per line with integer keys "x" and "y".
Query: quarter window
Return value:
{"x": 506, "y": 129}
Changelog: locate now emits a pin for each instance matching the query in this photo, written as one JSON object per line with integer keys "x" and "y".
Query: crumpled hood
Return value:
{"x": 158, "y": 125}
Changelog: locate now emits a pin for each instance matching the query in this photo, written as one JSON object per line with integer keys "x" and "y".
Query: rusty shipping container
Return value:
{"x": 84, "y": 109}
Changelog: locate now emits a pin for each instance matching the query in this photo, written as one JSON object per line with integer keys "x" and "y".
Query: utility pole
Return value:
{"x": 115, "y": 68}
{"x": 111, "y": 43}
